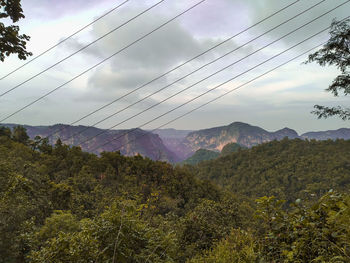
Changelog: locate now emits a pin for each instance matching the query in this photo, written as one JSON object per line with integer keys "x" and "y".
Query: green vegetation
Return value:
{"x": 200, "y": 156}
{"x": 319, "y": 233}
{"x": 231, "y": 148}
{"x": 59, "y": 204}
{"x": 335, "y": 53}
{"x": 11, "y": 42}
{"x": 287, "y": 169}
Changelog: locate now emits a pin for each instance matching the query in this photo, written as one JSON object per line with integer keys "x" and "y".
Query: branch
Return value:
{"x": 325, "y": 112}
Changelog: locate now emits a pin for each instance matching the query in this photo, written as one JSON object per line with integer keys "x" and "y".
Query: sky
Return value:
{"x": 282, "y": 98}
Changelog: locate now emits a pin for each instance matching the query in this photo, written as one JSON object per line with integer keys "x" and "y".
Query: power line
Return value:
{"x": 81, "y": 49}
{"x": 104, "y": 60}
{"x": 64, "y": 40}
{"x": 215, "y": 73}
{"x": 219, "y": 97}
{"x": 177, "y": 67}
{"x": 198, "y": 69}
{"x": 214, "y": 88}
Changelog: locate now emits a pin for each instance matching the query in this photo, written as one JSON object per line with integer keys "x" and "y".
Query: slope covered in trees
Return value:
{"x": 59, "y": 204}
{"x": 200, "y": 156}
{"x": 206, "y": 155}
{"x": 288, "y": 169}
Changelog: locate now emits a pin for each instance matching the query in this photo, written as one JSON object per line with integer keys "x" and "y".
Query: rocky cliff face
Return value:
{"x": 129, "y": 142}
{"x": 173, "y": 139}
{"x": 244, "y": 134}
{"x": 170, "y": 144}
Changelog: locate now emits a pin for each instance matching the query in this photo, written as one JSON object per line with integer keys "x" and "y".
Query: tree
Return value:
{"x": 11, "y": 42}
{"x": 335, "y": 52}
{"x": 240, "y": 246}
{"x": 303, "y": 233}
{"x": 20, "y": 135}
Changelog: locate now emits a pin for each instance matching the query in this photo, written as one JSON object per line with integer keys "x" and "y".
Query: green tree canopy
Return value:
{"x": 335, "y": 52}
{"x": 11, "y": 42}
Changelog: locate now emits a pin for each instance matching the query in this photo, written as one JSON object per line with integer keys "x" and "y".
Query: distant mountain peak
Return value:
{"x": 342, "y": 133}
{"x": 286, "y": 132}
{"x": 239, "y": 123}
{"x": 90, "y": 139}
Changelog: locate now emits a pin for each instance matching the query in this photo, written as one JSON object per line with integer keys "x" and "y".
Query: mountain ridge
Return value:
{"x": 170, "y": 144}
{"x": 214, "y": 139}
{"x": 95, "y": 140}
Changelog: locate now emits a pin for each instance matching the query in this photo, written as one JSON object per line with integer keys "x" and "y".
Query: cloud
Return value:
{"x": 146, "y": 60}
{"x": 291, "y": 91}
{"x": 261, "y": 9}
{"x": 50, "y": 9}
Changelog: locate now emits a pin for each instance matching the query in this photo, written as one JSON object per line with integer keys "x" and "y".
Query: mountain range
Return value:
{"x": 94, "y": 140}
{"x": 170, "y": 144}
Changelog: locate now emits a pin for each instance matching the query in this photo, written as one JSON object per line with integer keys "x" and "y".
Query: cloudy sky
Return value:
{"x": 283, "y": 98}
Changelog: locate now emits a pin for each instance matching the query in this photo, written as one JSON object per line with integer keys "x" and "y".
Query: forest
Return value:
{"x": 60, "y": 204}
{"x": 281, "y": 201}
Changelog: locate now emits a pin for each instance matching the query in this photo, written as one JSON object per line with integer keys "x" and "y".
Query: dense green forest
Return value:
{"x": 287, "y": 169}
{"x": 200, "y": 156}
{"x": 206, "y": 155}
{"x": 59, "y": 204}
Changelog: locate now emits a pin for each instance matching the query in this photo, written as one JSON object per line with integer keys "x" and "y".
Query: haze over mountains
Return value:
{"x": 170, "y": 144}
{"x": 97, "y": 140}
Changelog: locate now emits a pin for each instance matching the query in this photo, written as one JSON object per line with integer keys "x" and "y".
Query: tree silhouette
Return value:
{"x": 11, "y": 42}
{"x": 336, "y": 52}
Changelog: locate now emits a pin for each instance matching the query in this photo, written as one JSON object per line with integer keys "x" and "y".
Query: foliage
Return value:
{"x": 200, "y": 156}
{"x": 56, "y": 200}
{"x": 287, "y": 169}
{"x": 59, "y": 204}
{"x": 238, "y": 247}
{"x": 11, "y": 42}
{"x": 336, "y": 52}
{"x": 231, "y": 148}
{"x": 209, "y": 222}
{"x": 117, "y": 235}
{"x": 319, "y": 233}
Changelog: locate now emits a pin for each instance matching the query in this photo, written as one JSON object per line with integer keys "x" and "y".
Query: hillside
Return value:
{"x": 51, "y": 195}
{"x": 214, "y": 139}
{"x": 231, "y": 148}
{"x": 172, "y": 139}
{"x": 60, "y": 204}
{"x": 288, "y": 169}
{"x": 244, "y": 134}
{"x": 342, "y": 133}
{"x": 135, "y": 142}
{"x": 170, "y": 144}
{"x": 202, "y": 155}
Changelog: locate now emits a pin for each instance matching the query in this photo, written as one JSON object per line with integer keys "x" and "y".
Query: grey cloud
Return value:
{"x": 261, "y": 9}
{"x": 107, "y": 80}
{"x": 146, "y": 60}
{"x": 53, "y": 9}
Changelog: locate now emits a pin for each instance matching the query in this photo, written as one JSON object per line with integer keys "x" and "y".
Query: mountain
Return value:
{"x": 288, "y": 169}
{"x": 342, "y": 133}
{"x": 170, "y": 144}
{"x": 132, "y": 142}
{"x": 206, "y": 155}
{"x": 215, "y": 139}
{"x": 246, "y": 135}
{"x": 200, "y": 156}
{"x": 172, "y": 139}
{"x": 231, "y": 148}
{"x": 286, "y": 132}
{"x": 172, "y": 133}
